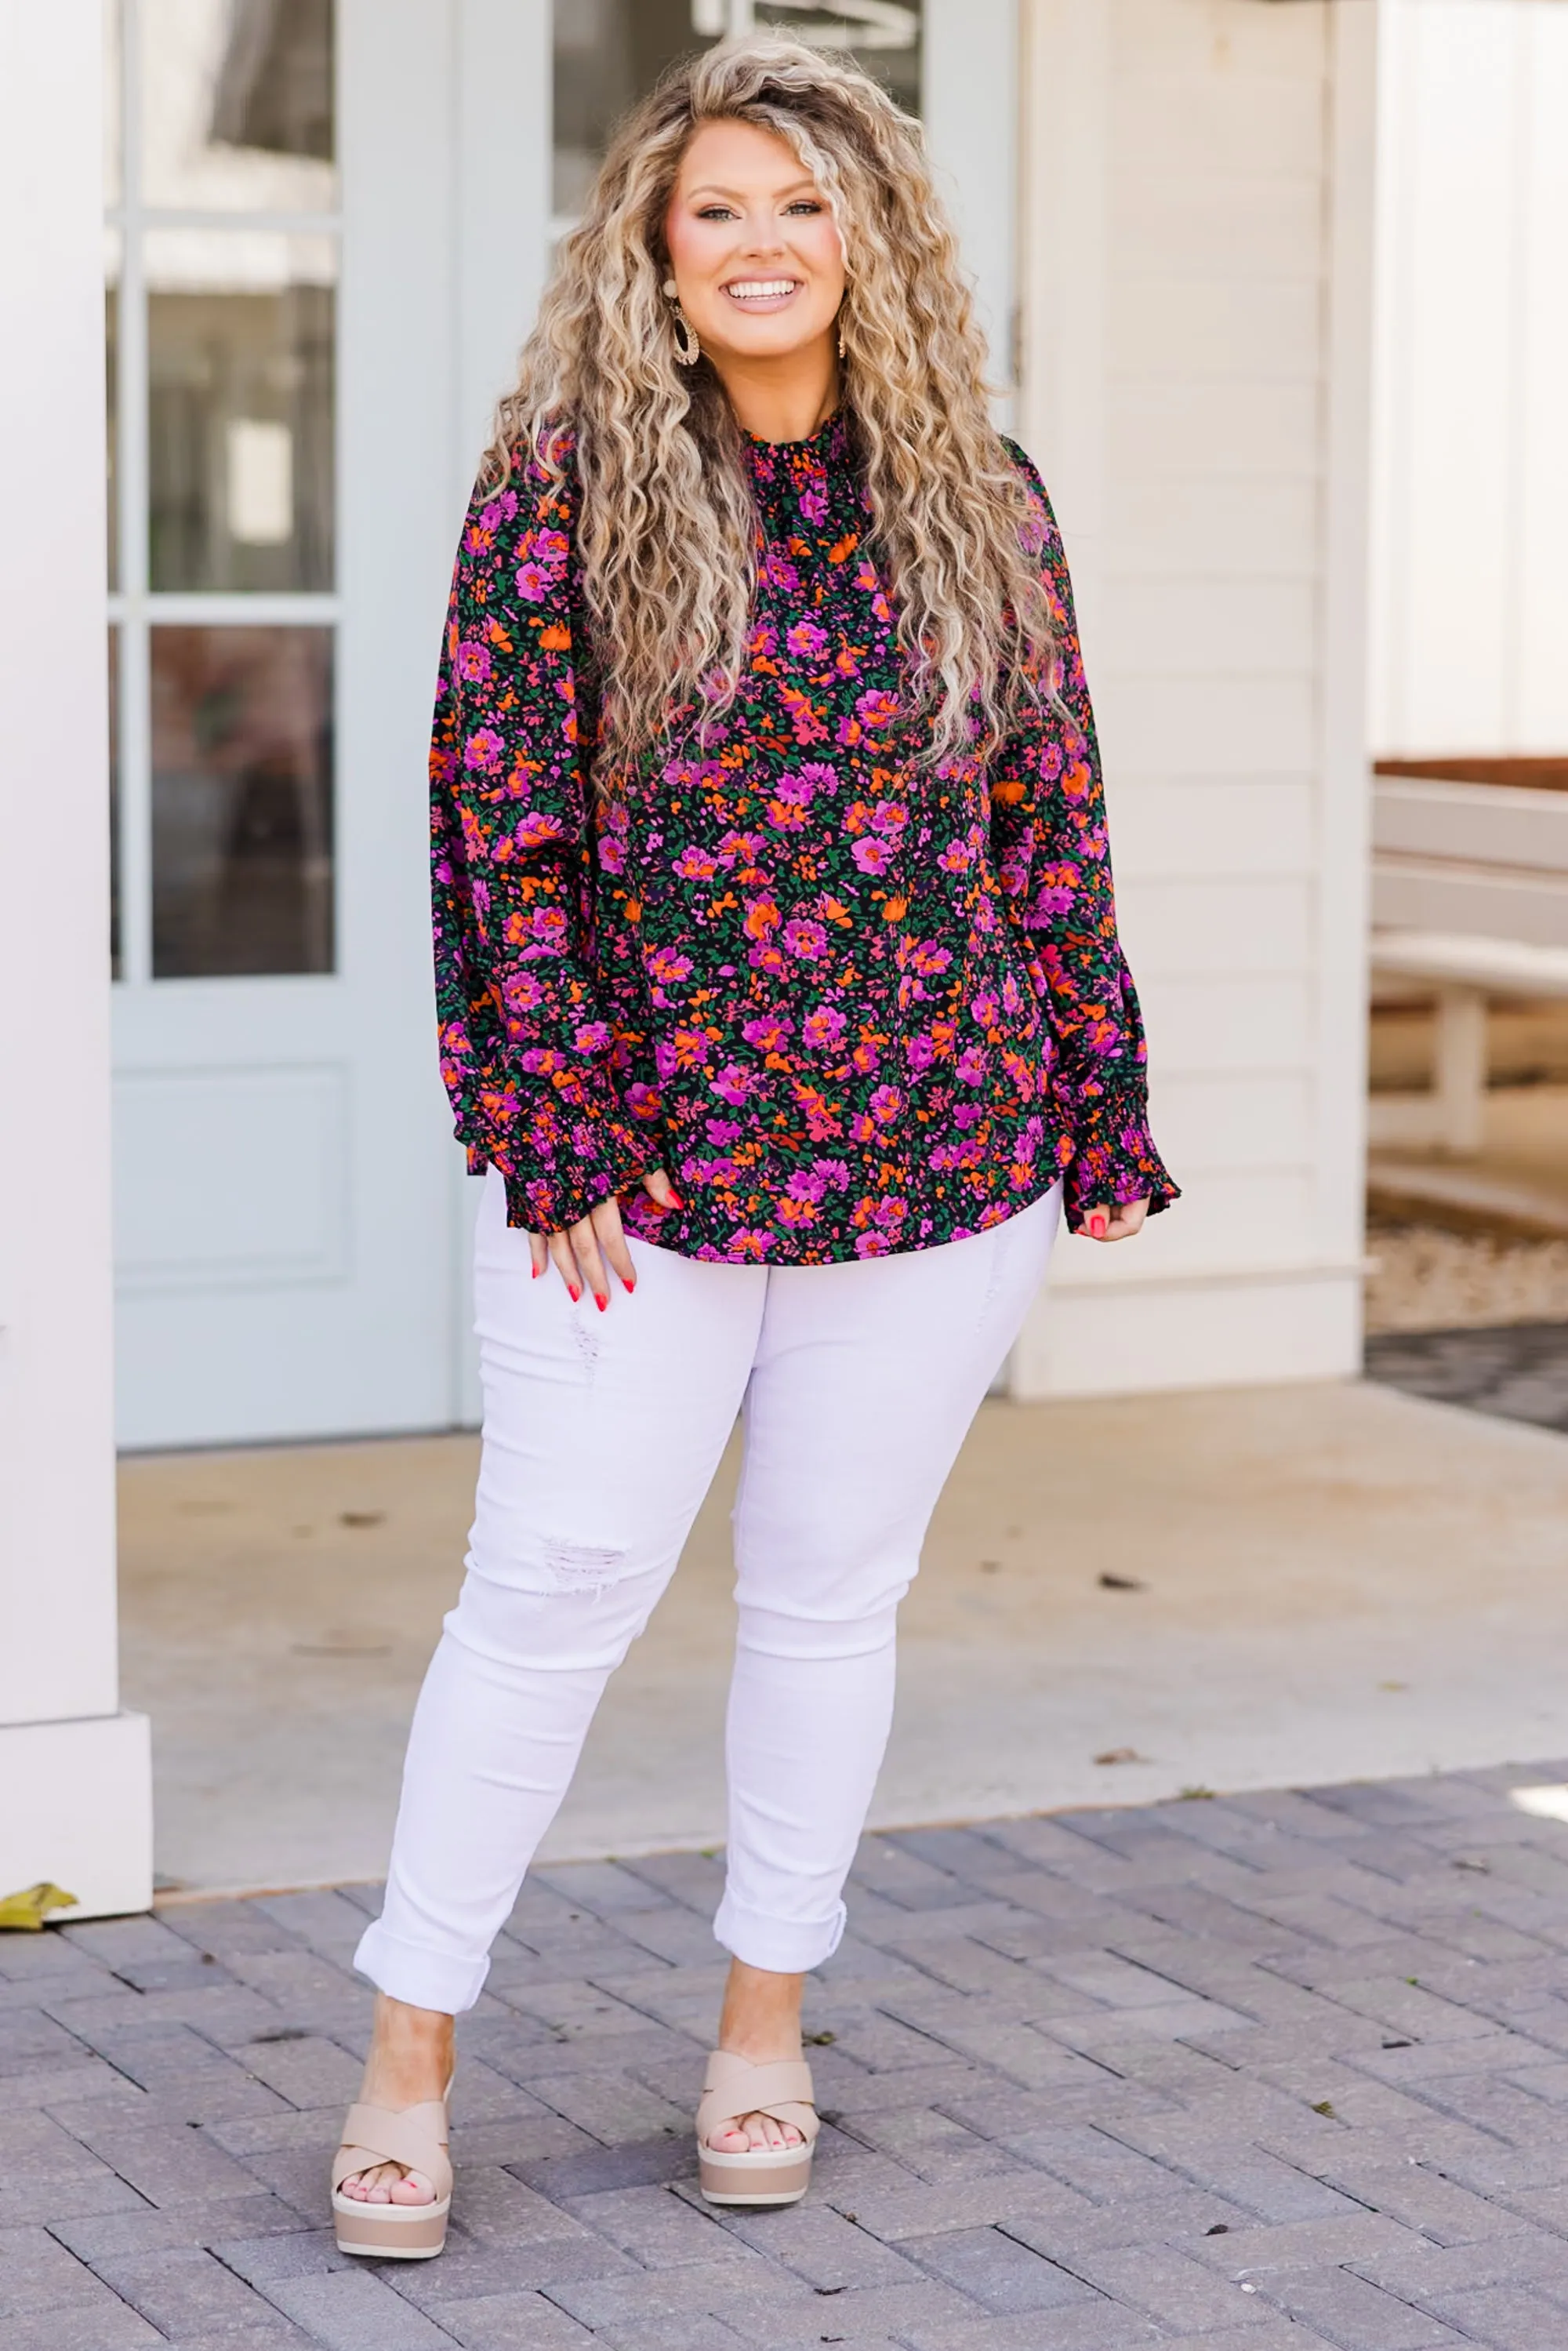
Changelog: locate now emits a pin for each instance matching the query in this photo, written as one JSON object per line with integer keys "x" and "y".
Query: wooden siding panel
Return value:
{"x": 1248, "y": 225}
{"x": 1202, "y": 727}
{"x": 1219, "y": 929}
{"x": 1205, "y": 1027}
{"x": 1234, "y": 1124}
{"x": 1235, "y": 42}
{"x": 1268, "y": 529}
{"x": 1178, "y": 124}
{"x": 1172, "y": 626}
{"x": 1260, "y": 330}
{"x": 1240, "y": 427}
{"x": 1253, "y": 827}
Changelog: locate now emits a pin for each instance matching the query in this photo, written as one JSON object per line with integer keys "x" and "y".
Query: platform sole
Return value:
{"x": 753, "y": 2179}
{"x": 372, "y": 2231}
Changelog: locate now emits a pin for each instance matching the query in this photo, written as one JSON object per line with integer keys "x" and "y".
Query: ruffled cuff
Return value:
{"x": 1114, "y": 1157}
{"x": 561, "y": 1162}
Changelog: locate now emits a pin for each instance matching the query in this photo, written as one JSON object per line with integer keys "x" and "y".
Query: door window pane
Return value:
{"x": 240, "y": 326}
{"x": 241, "y": 800}
{"x": 237, "y": 105}
{"x": 882, "y": 36}
{"x": 606, "y": 54}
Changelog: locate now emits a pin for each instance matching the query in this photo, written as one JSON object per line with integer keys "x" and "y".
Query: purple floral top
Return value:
{"x": 851, "y": 1004}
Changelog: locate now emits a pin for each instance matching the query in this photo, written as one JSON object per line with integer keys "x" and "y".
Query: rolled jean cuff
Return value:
{"x": 789, "y": 1946}
{"x": 420, "y": 1977}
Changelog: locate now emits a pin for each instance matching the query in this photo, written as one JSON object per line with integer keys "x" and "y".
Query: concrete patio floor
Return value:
{"x": 1336, "y": 1583}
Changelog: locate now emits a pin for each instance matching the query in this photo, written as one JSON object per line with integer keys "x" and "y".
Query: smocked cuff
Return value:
{"x": 1113, "y": 1158}
{"x": 603, "y": 1157}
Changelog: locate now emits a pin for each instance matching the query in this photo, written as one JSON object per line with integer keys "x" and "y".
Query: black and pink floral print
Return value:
{"x": 851, "y": 1001}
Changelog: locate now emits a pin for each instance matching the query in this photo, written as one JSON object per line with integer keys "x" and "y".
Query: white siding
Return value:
{"x": 1197, "y": 236}
{"x": 1470, "y": 600}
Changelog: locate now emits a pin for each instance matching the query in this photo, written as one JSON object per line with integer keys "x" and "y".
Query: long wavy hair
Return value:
{"x": 667, "y": 531}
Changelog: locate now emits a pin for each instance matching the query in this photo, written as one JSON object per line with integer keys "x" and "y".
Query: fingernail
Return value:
{"x": 631, "y": 1284}
{"x": 601, "y": 1302}
{"x": 1097, "y": 1226}
{"x": 536, "y": 1273}
{"x": 575, "y": 1293}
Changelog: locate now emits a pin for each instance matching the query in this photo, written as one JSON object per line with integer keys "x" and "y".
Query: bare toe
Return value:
{"x": 754, "y": 2134}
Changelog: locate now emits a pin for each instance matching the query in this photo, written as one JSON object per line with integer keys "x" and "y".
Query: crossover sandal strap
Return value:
{"x": 733, "y": 2086}
{"x": 416, "y": 2138}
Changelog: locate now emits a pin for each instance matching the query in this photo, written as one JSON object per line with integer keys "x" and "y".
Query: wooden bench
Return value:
{"x": 1469, "y": 900}
{"x": 1463, "y": 971}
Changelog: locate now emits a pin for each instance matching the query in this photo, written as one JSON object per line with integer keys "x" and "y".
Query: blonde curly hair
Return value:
{"x": 667, "y": 531}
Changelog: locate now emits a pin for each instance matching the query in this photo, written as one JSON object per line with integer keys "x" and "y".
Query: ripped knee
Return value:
{"x": 592, "y": 1568}
{"x": 553, "y": 1606}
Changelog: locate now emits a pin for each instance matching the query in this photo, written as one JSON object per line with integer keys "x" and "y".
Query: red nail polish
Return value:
{"x": 631, "y": 1285}
{"x": 601, "y": 1302}
{"x": 575, "y": 1294}
{"x": 536, "y": 1273}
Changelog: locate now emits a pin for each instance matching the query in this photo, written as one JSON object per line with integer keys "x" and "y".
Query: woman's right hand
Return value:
{"x": 581, "y": 1253}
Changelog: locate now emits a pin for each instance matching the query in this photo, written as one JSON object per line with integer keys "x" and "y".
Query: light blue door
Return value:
{"x": 278, "y": 262}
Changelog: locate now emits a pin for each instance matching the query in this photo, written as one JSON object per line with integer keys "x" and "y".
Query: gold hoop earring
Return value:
{"x": 688, "y": 350}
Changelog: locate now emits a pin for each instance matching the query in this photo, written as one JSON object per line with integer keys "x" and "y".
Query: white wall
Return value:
{"x": 1198, "y": 223}
{"x": 1471, "y": 507}
{"x": 74, "y": 1788}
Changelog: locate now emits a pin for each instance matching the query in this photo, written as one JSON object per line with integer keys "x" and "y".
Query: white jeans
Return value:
{"x": 601, "y": 1435}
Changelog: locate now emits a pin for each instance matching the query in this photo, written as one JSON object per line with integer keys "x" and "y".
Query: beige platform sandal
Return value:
{"x": 415, "y": 2137}
{"x": 732, "y": 2087}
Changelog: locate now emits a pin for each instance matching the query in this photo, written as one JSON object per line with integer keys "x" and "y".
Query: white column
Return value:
{"x": 1196, "y": 238}
{"x": 1472, "y": 379}
{"x": 75, "y": 1774}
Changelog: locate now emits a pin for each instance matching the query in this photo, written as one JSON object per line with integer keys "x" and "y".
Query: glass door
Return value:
{"x": 275, "y": 1149}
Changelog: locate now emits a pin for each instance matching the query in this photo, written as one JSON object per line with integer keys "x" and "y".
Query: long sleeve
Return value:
{"x": 525, "y": 1045}
{"x": 1053, "y": 857}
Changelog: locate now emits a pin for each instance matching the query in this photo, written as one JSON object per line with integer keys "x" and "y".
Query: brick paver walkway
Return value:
{"x": 1274, "y": 2071}
{"x": 1516, "y": 1370}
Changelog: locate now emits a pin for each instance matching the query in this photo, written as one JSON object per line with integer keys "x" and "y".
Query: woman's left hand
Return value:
{"x": 1117, "y": 1221}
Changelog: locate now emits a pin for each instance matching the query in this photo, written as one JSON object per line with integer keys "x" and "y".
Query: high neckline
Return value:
{"x": 828, "y": 442}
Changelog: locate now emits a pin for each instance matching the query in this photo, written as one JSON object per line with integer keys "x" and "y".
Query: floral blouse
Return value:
{"x": 850, "y": 1003}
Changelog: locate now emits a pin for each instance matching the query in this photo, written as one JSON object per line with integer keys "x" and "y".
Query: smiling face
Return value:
{"x": 753, "y": 249}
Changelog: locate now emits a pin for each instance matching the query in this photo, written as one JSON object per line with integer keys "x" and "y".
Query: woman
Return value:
{"x": 781, "y": 1002}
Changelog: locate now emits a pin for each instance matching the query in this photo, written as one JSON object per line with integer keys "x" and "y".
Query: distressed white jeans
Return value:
{"x": 603, "y": 1432}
